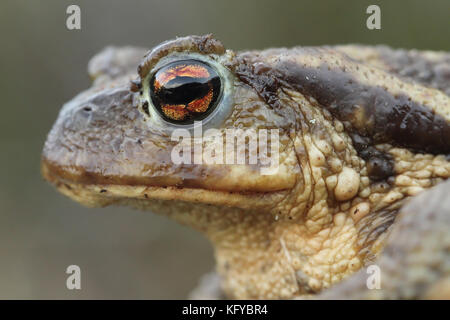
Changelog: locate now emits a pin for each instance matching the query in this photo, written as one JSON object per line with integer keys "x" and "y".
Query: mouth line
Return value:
{"x": 218, "y": 180}
{"x": 99, "y": 194}
{"x": 103, "y": 195}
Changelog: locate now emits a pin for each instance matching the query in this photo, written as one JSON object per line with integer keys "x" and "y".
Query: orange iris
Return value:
{"x": 182, "y": 70}
{"x": 201, "y": 104}
{"x": 175, "y": 112}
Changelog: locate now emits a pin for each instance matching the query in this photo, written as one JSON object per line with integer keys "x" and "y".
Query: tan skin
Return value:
{"x": 359, "y": 135}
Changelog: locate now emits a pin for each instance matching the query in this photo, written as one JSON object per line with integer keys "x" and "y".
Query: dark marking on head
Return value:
{"x": 380, "y": 165}
{"x": 370, "y": 114}
{"x": 135, "y": 85}
{"x": 145, "y": 108}
{"x": 386, "y": 118}
{"x": 260, "y": 77}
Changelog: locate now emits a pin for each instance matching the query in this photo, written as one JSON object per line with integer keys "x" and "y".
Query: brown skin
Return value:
{"x": 356, "y": 142}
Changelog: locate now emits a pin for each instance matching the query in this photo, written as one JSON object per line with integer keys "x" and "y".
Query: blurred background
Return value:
{"x": 124, "y": 253}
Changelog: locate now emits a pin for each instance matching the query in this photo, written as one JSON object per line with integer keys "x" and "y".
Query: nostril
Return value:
{"x": 87, "y": 109}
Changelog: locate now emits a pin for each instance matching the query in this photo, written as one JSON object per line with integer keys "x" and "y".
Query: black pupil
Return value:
{"x": 184, "y": 91}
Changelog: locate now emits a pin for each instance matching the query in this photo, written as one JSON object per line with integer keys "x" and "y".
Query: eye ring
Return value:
{"x": 185, "y": 91}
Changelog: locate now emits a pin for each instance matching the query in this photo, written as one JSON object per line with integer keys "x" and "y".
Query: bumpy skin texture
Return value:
{"x": 415, "y": 262}
{"x": 362, "y": 130}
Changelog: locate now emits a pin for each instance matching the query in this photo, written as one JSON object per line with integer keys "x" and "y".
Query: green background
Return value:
{"x": 124, "y": 253}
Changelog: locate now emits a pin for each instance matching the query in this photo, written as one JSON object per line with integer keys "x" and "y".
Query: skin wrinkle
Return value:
{"x": 274, "y": 237}
{"x": 298, "y": 114}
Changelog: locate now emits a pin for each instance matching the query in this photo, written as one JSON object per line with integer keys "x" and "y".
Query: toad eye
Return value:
{"x": 185, "y": 91}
